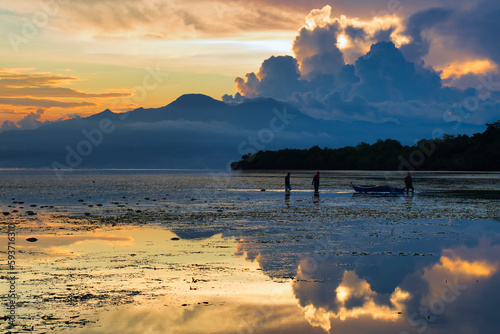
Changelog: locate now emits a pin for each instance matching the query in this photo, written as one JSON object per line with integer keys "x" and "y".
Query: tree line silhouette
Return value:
{"x": 479, "y": 152}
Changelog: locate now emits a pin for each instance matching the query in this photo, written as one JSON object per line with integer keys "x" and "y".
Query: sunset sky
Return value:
{"x": 62, "y": 59}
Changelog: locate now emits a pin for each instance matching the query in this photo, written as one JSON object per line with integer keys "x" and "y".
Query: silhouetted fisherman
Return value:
{"x": 315, "y": 182}
{"x": 288, "y": 187}
{"x": 409, "y": 184}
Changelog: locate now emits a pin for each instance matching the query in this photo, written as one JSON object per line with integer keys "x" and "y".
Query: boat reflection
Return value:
{"x": 388, "y": 194}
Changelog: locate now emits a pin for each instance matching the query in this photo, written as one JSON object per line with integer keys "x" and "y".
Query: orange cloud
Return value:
{"x": 21, "y": 88}
{"x": 15, "y": 84}
{"x": 460, "y": 267}
{"x": 42, "y": 103}
{"x": 11, "y": 112}
{"x": 12, "y": 78}
{"x": 472, "y": 268}
{"x": 478, "y": 67}
{"x": 172, "y": 19}
{"x": 351, "y": 43}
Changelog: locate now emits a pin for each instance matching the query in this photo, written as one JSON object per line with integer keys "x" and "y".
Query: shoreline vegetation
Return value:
{"x": 479, "y": 152}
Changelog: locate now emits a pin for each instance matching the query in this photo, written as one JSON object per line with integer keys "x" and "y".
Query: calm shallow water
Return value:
{"x": 207, "y": 252}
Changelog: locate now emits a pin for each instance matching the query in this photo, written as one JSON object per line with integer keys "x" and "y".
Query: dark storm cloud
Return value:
{"x": 477, "y": 29}
{"x": 473, "y": 30}
{"x": 416, "y": 25}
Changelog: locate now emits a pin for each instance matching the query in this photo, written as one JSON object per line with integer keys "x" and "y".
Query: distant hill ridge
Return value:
{"x": 194, "y": 131}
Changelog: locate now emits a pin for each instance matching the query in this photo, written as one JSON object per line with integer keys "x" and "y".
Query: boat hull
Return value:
{"x": 377, "y": 189}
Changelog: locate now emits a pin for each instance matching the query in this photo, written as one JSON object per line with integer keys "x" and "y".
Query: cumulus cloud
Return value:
{"x": 417, "y": 23}
{"x": 352, "y": 296}
{"x": 347, "y": 69}
{"x": 385, "y": 75}
{"x": 250, "y": 87}
{"x": 316, "y": 49}
{"x": 278, "y": 77}
{"x": 8, "y": 125}
{"x": 344, "y": 296}
{"x": 31, "y": 121}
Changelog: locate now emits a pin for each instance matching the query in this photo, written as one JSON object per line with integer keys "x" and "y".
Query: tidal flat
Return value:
{"x": 121, "y": 251}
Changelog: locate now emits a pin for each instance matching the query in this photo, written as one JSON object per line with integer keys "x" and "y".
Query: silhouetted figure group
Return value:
{"x": 315, "y": 182}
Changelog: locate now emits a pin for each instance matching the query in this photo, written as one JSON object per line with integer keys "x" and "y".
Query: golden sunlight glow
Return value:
{"x": 371, "y": 309}
{"x": 318, "y": 317}
{"x": 40, "y": 95}
{"x": 484, "y": 66}
{"x": 453, "y": 269}
{"x": 342, "y": 294}
{"x": 360, "y": 44}
{"x": 75, "y": 245}
{"x": 354, "y": 287}
{"x": 342, "y": 42}
{"x": 399, "y": 39}
{"x": 399, "y": 296}
{"x": 319, "y": 18}
{"x": 474, "y": 268}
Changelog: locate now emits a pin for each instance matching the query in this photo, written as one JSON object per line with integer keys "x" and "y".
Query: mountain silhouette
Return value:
{"x": 194, "y": 131}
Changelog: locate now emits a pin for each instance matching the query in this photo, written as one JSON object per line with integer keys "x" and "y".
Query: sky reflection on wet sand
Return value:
{"x": 138, "y": 279}
{"x": 265, "y": 267}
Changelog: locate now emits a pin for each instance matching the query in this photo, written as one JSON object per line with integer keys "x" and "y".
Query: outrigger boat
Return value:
{"x": 377, "y": 189}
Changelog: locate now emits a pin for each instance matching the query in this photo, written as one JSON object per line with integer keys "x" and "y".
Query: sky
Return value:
{"x": 372, "y": 60}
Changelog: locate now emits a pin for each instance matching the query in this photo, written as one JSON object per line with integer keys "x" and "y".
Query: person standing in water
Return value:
{"x": 409, "y": 184}
{"x": 315, "y": 182}
{"x": 288, "y": 187}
